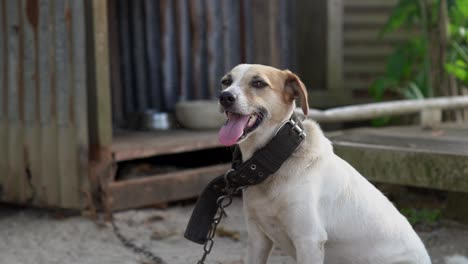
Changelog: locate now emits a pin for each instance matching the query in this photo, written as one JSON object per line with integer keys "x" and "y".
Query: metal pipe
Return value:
{"x": 374, "y": 110}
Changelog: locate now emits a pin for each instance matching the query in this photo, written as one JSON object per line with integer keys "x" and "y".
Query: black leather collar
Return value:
{"x": 265, "y": 162}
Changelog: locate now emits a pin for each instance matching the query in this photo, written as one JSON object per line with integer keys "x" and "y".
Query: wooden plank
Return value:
{"x": 370, "y": 3}
{"x": 335, "y": 46}
{"x": 369, "y": 35}
{"x": 404, "y": 166}
{"x": 380, "y": 51}
{"x": 14, "y": 180}
{"x": 116, "y": 77}
{"x": 215, "y": 46}
{"x": 411, "y": 143}
{"x": 129, "y": 145}
{"x": 377, "y": 20}
{"x": 153, "y": 52}
{"x": 162, "y": 188}
{"x": 197, "y": 20}
{"x": 139, "y": 56}
{"x": 31, "y": 151}
{"x": 169, "y": 60}
{"x": 80, "y": 106}
{"x": 354, "y": 67}
{"x": 3, "y": 98}
{"x": 447, "y": 132}
{"x": 126, "y": 59}
{"x": 231, "y": 22}
{"x": 358, "y": 83}
{"x": 48, "y": 193}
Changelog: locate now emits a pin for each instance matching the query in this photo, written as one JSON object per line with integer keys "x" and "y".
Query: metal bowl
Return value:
{"x": 154, "y": 120}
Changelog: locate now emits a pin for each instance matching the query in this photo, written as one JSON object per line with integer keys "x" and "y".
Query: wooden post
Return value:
{"x": 430, "y": 118}
{"x": 335, "y": 46}
{"x": 3, "y": 95}
{"x": 99, "y": 93}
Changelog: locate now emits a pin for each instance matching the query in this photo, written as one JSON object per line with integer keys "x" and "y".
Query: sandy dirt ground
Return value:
{"x": 33, "y": 236}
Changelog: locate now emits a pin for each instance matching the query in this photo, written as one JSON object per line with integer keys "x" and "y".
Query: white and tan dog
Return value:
{"x": 316, "y": 207}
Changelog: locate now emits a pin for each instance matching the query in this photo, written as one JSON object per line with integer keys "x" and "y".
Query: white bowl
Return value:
{"x": 200, "y": 114}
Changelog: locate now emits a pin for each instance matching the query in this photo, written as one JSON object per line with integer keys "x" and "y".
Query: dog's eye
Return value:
{"x": 259, "y": 84}
{"x": 226, "y": 82}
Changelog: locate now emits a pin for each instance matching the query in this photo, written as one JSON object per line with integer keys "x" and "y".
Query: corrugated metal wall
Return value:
{"x": 365, "y": 54}
{"x": 43, "y": 121}
{"x": 163, "y": 51}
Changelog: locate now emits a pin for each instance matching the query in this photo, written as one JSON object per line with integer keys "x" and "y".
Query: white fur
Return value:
{"x": 319, "y": 209}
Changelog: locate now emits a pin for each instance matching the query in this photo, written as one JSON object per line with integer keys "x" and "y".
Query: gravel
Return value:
{"x": 35, "y": 236}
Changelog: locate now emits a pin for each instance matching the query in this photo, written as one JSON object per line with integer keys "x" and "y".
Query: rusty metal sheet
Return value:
{"x": 139, "y": 56}
{"x": 43, "y": 124}
{"x": 153, "y": 51}
{"x": 188, "y": 44}
{"x": 169, "y": 58}
{"x": 185, "y": 52}
{"x": 215, "y": 46}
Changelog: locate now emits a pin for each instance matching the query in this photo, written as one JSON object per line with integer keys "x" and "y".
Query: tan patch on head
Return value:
{"x": 295, "y": 88}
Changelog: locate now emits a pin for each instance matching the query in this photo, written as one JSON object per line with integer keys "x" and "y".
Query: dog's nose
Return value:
{"x": 226, "y": 99}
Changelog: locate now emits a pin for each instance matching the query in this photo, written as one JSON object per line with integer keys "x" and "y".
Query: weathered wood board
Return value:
{"x": 409, "y": 155}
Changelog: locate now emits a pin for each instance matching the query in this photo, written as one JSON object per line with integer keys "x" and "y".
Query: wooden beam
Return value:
{"x": 135, "y": 145}
{"x": 161, "y": 188}
{"x": 99, "y": 76}
{"x": 335, "y": 46}
{"x": 405, "y": 166}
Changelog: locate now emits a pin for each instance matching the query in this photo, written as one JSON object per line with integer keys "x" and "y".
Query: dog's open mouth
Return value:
{"x": 238, "y": 126}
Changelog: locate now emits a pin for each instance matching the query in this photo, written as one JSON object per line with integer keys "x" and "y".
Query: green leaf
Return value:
{"x": 415, "y": 90}
{"x": 380, "y": 85}
{"x": 405, "y": 13}
{"x": 381, "y": 121}
{"x": 459, "y": 69}
{"x": 397, "y": 64}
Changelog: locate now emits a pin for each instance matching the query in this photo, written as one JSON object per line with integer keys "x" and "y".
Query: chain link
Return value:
{"x": 222, "y": 202}
{"x": 140, "y": 250}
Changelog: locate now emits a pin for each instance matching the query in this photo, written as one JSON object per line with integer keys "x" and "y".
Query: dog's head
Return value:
{"x": 257, "y": 99}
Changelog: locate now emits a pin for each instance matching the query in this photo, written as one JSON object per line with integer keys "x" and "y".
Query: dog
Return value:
{"x": 317, "y": 208}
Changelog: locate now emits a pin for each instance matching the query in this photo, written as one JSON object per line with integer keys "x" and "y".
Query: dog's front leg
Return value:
{"x": 309, "y": 251}
{"x": 258, "y": 245}
{"x": 307, "y": 233}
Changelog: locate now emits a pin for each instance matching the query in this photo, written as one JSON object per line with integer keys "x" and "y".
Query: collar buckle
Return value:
{"x": 297, "y": 128}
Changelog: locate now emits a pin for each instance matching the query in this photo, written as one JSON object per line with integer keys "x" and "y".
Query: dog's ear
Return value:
{"x": 294, "y": 88}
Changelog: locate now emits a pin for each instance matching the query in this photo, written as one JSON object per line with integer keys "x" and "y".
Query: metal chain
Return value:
{"x": 222, "y": 202}
{"x": 140, "y": 250}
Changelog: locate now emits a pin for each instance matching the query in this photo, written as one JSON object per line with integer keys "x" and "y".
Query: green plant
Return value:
{"x": 411, "y": 67}
{"x": 457, "y": 59}
{"x": 421, "y": 216}
{"x": 407, "y": 68}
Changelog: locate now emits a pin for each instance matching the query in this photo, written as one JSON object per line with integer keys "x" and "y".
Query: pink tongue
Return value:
{"x": 233, "y": 130}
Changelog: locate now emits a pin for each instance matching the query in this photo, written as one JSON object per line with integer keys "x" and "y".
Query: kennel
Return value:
{"x": 73, "y": 72}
